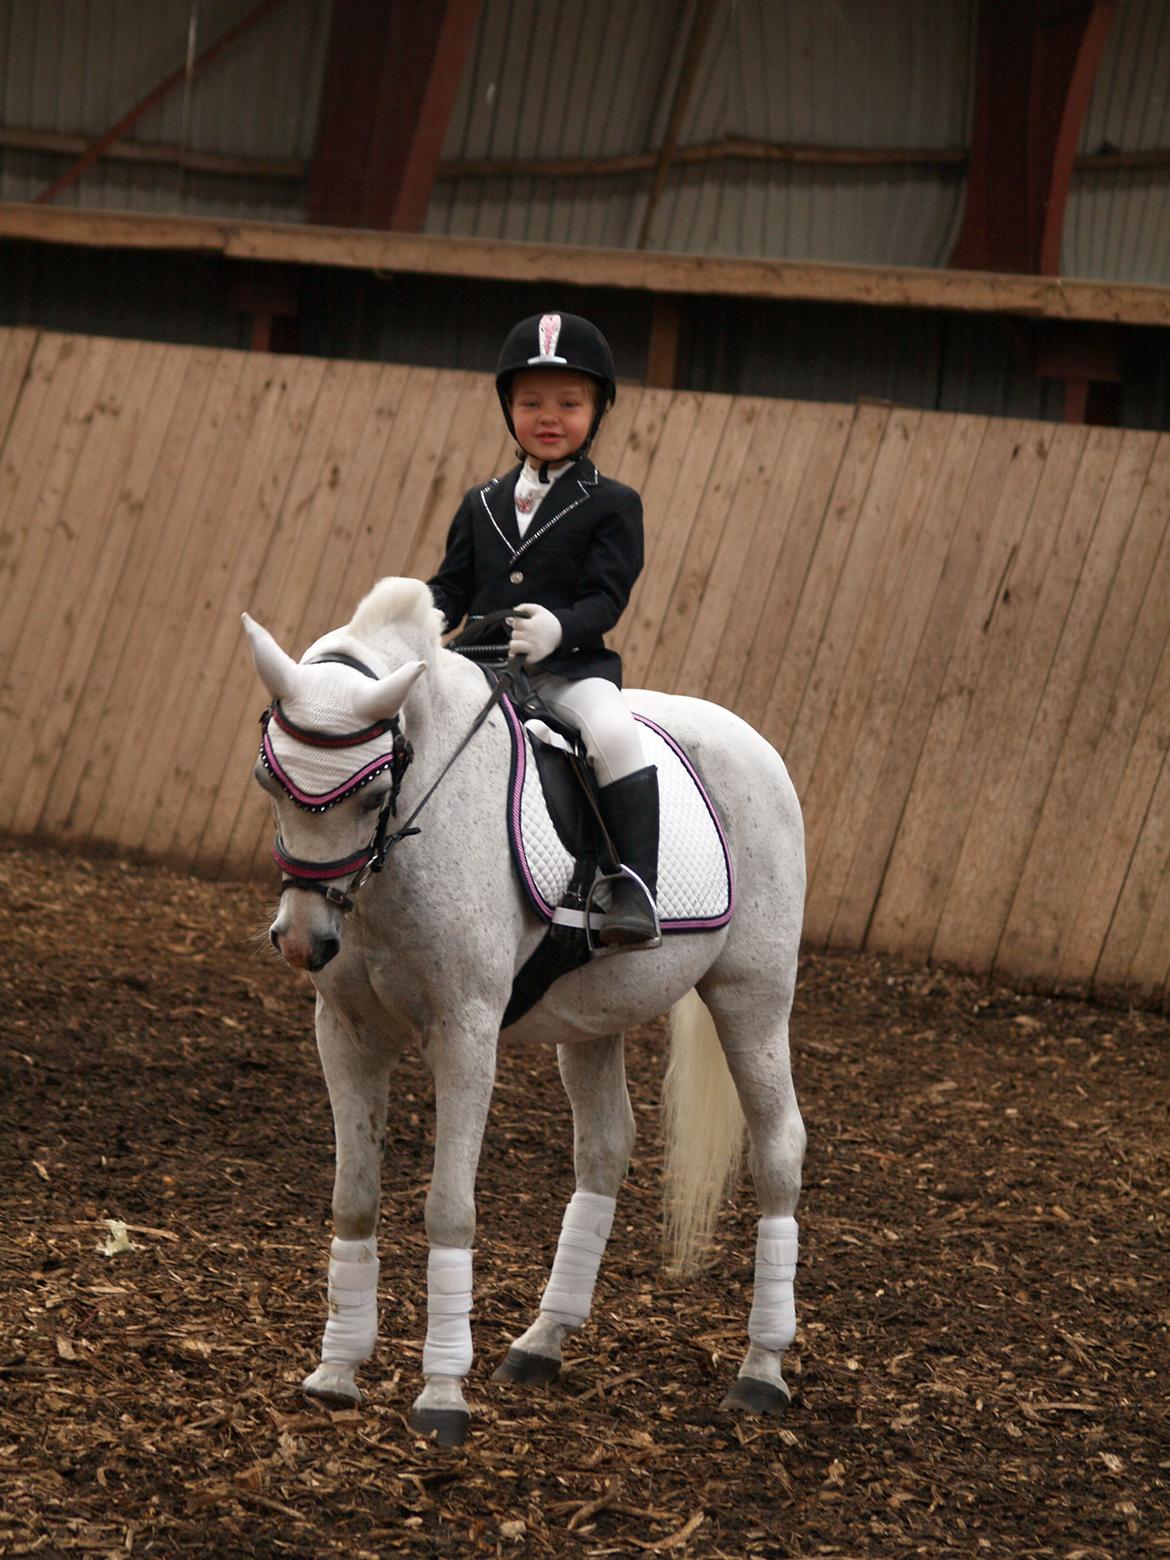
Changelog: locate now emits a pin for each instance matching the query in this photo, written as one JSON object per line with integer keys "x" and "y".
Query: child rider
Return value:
{"x": 562, "y": 545}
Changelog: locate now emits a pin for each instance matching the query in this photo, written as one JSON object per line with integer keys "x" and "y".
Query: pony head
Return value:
{"x": 333, "y": 756}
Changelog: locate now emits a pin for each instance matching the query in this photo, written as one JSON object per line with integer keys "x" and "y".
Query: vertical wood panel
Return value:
{"x": 955, "y": 630}
{"x": 48, "y": 525}
{"x": 834, "y": 539}
{"x": 284, "y": 579}
{"x": 769, "y": 545}
{"x": 41, "y": 453}
{"x": 672, "y": 497}
{"x": 1091, "y": 759}
{"x": 986, "y": 873}
{"x": 72, "y": 725}
{"x": 128, "y": 639}
{"x": 1065, "y": 674}
{"x": 769, "y": 642}
{"x": 845, "y": 882}
{"x": 1135, "y": 953}
{"x": 152, "y": 672}
{"x": 230, "y": 517}
{"x": 953, "y": 537}
{"x": 29, "y": 432}
{"x": 254, "y": 517}
{"x": 16, "y": 355}
{"x": 70, "y": 594}
{"x": 941, "y": 793}
{"x": 717, "y": 603}
{"x": 842, "y": 670}
{"x": 1147, "y": 709}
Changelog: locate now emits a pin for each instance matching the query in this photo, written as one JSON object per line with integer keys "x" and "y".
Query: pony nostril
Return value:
{"x": 274, "y": 937}
{"x": 325, "y": 949}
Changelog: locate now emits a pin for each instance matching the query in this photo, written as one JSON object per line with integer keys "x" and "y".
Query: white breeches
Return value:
{"x": 596, "y": 708}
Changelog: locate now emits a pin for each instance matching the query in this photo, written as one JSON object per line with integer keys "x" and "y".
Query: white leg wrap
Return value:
{"x": 447, "y": 1351}
{"x": 772, "y": 1323}
{"x": 352, "y": 1326}
{"x": 584, "y": 1232}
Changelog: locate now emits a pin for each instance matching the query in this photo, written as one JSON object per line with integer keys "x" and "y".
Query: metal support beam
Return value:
{"x": 176, "y": 78}
{"x": 393, "y": 72}
{"x": 1036, "y": 64}
{"x": 692, "y": 58}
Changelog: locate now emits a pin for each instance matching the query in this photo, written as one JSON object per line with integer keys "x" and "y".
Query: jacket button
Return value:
{"x": 516, "y": 577}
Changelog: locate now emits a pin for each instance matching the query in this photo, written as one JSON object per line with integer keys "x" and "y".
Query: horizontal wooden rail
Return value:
{"x": 1035, "y": 297}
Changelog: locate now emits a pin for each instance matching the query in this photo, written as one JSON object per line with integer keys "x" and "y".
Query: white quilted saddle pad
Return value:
{"x": 696, "y": 890}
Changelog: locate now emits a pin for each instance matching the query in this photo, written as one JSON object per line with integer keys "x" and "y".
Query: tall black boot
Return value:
{"x": 630, "y": 809}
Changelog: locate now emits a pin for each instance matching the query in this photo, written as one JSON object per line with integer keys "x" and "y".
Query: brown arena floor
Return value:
{"x": 984, "y": 1308}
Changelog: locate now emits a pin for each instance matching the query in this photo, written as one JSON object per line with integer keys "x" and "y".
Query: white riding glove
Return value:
{"x": 535, "y": 633}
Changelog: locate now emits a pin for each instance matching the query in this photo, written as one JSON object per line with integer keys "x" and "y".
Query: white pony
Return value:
{"x": 429, "y": 949}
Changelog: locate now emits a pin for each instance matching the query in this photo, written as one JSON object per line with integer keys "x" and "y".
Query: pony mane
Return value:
{"x": 396, "y": 600}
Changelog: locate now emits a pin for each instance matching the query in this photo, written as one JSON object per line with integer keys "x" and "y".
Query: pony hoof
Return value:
{"x": 750, "y": 1395}
{"x": 528, "y": 1369}
{"x": 332, "y": 1385}
{"x": 447, "y": 1425}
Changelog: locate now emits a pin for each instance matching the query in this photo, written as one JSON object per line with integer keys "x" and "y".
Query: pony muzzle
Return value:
{"x": 306, "y": 931}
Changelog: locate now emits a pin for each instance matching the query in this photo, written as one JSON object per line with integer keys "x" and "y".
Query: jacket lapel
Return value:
{"x": 499, "y": 500}
{"x": 576, "y": 487}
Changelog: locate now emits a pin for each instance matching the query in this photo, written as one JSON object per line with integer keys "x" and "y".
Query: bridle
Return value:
{"x": 318, "y": 876}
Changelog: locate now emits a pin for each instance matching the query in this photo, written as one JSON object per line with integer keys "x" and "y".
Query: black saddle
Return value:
{"x": 570, "y": 793}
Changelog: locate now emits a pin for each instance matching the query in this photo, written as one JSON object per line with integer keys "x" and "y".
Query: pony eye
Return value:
{"x": 371, "y": 801}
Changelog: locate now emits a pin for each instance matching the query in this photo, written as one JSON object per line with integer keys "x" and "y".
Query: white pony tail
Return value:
{"x": 704, "y": 1130}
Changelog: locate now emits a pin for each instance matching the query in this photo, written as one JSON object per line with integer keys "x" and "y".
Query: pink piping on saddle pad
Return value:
{"x": 714, "y": 921}
{"x": 519, "y": 748}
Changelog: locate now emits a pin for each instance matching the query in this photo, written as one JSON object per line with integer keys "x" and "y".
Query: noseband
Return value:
{"x": 317, "y": 876}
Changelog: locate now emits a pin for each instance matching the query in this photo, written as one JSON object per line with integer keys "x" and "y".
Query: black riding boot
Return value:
{"x": 630, "y": 809}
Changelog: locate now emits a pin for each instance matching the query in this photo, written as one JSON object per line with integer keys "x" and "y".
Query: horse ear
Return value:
{"x": 278, "y": 672}
{"x": 383, "y": 699}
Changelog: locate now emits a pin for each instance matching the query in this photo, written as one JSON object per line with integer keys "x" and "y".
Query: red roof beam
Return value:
{"x": 391, "y": 78}
{"x": 1036, "y": 64}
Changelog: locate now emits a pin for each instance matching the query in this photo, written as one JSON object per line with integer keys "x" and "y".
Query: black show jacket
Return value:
{"x": 579, "y": 558}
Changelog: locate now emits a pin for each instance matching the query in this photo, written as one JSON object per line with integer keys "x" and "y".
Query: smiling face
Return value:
{"x": 552, "y": 412}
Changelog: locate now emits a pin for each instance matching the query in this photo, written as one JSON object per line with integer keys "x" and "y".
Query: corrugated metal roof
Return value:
{"x": 75, "y": 67}
{"x": 1117, "y": 223}
{"x": 560, "y": 80}
{"x": 555, "y": 79}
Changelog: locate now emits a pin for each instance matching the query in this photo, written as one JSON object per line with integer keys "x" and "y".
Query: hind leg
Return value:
{"x": 755, "y": 1045}
{"x": 594, "y": 1076}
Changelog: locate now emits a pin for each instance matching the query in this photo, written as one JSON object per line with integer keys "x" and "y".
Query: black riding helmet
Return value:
{"x": 563, "y": 341}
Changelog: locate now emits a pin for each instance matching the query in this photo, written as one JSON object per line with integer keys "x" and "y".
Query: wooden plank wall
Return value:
{"x": 954, "y": 628}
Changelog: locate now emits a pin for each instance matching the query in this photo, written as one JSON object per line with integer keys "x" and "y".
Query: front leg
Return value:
{"x": 463, "y": 1061}
{"x": 357, "y": 1075}
{"x": 593, "y": 1072}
